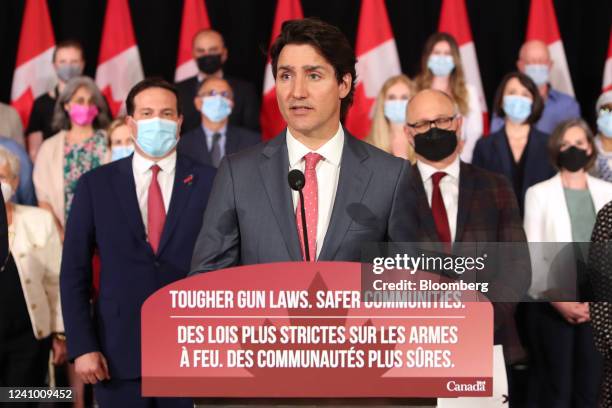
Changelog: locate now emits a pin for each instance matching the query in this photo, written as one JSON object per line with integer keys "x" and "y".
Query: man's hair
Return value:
{"x": 68, "y": 44}
{"x": 329, "y": 42}
{"x": 206, "y": 31}
{"x": 145, "y": 84}
{"x": 536, "y": 107}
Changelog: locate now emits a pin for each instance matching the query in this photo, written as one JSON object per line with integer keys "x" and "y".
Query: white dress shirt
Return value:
{"x": 449, "y": 187}
{"x": 141, "y": 167}
{"x": 328, "y": 171}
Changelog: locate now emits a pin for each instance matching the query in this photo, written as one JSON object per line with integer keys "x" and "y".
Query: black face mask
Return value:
{"x": 572, "y": 159}
{"x": 435, "y": 144}
{"x": 209, "y": 64}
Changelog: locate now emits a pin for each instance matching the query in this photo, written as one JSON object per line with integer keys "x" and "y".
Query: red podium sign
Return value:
{"x": 305, "y": 330}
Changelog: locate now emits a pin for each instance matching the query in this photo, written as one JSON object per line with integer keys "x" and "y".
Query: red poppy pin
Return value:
{"x": 188, "y": 180}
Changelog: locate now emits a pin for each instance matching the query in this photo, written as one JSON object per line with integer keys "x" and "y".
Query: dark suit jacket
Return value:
{"x": 4, "y": 241}
{"x": 246, "y": 104}
{"x": 250, "y": 218}
{"x": 193, "y": 143}
{"x": 491, "y": 153}
{"x": 487, "y": 212}
{"x": 105, "y": 215}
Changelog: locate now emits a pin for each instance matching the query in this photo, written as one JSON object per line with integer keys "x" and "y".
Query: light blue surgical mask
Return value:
{"x": 539, "y": 73}
{"x": 517, "y": 107}
{"x": 441, "y": 65}
{"x": 121, "y": 152}
{"x": 216, "y": 107}
{"x": 157, "y": 137}
{"x": 395, "y": 110}
{"x": 604, "y": 123}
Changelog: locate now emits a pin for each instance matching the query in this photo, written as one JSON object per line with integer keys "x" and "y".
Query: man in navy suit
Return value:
{"x": 215, "y": 138}
{"x": 142, "y": 214}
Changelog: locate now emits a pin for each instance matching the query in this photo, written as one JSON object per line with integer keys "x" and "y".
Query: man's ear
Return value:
{"x": 345, "y": 85}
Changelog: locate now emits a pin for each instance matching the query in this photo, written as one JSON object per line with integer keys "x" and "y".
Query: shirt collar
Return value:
{"x": 331, "y": 150}
{"x": 209, "y": 133}
{"x": 141, "y": 164}
{"x": 427, "y": 171}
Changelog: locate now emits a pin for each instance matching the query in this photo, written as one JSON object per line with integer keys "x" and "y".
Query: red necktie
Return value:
{"x": 311, "y": 206}
{"x": 156, "y": 213}
{"x": 438, "y": 210}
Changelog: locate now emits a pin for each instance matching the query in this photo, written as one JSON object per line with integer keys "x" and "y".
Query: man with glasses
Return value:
{"x": 215, "y": 137}
{"x": 459, "y": 202}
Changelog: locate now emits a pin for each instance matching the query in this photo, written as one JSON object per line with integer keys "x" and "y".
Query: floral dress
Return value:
{"x": 79, "y": 159}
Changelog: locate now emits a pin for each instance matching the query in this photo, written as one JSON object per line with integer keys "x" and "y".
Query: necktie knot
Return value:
{"x": 311, "y": 160}
{"x": 155, "y": 170}
{"x": 216, "y": 137}
{"x": 436, "y": 177}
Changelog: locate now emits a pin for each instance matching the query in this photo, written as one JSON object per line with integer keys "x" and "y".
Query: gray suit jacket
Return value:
{"x": 250, "y": 217}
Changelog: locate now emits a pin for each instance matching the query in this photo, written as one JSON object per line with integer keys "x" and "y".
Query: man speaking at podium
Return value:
{"x": 353, "y": 192}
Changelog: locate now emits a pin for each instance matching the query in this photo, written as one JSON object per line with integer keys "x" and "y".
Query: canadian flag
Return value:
{"x": 119, "y": 66}
{"x": 271, "y": 120}
{"x": 454, "y": 21}
{"x": 195, "y": 18}
{"x": 377, "y": 60}
{"x": 607, "y": 75}
{"x": 34, "y": 74}
{"x": 542, "y": 25}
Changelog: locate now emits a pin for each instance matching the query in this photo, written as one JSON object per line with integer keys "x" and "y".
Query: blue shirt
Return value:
{"x": 558, "y": 107}
{"x": 209, "y": 138}
{"x": 25, "y": 191}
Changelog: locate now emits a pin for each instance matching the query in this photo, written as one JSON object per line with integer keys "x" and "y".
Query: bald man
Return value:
{"x": 459, "y": 202}
{"x": 215, "y": 137}
{"x": 534, "y": 61}
{"x": 210, "y": 54}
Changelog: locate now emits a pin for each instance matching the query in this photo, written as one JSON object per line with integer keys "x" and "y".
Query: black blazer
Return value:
{"x": 193, "y": 143}
{"x": 491, "y": 153}
{"x": 246, "y": 104}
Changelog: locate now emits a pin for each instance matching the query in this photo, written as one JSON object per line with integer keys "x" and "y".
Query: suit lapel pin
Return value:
{"x": 188, "y": 180}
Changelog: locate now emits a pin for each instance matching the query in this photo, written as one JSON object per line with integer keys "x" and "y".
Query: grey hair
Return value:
{"x": 61, "y": 119}
{"x": 7, "y": 157}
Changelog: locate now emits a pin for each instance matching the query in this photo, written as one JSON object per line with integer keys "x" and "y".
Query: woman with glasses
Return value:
{"x": 603, "y": 140}
{"x": 80, "y": 145}
{"x": 441, "y": 69}
{"x": 518, "y": 150}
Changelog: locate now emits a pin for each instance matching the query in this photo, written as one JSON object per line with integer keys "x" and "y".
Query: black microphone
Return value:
{"x": 297, "y": 181}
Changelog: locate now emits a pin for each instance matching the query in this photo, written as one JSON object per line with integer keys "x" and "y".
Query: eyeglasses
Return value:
{"x": 423, "y": 126}
{"x": 225, "y": 94}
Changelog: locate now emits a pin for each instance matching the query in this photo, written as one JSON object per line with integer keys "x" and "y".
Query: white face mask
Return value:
{"x": 7, "y": 191}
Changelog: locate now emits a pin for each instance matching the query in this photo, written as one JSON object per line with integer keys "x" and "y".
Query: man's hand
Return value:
{"x": 59, "y": 351}
{"x": 573, "y": 312}
{"x": 91, "y": 367}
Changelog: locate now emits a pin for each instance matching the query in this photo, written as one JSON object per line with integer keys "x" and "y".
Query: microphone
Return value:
{"x": 296, "y": 182}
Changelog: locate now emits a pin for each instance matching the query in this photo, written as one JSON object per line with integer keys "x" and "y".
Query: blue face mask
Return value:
{"x": 121, "y": 152}
{"x": 517, "y": 108}
{"x": 539, "y": 73}
{"x": 604, "y": 124}
{"x": 216, "y": 108}
{"x": 441, "y": 65}
{"x": 157, "y": 137}
{"x": 395, "y": 110}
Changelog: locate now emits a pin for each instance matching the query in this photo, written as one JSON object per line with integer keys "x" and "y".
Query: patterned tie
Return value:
{"x": 215, "y": 151}
{"x": 156, "y": 213}
{"x": 311, "y": 206}
{"x": 438, "y": 210}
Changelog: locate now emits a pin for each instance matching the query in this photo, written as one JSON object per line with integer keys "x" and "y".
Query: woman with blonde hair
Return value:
{"x": 441, "y": 69}
{"x": 387, "y": 131}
